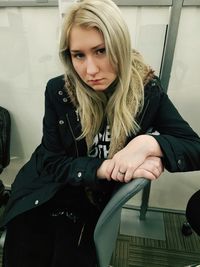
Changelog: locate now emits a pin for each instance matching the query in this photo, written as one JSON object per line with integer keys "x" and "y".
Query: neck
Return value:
{"x": 110, "y": 89}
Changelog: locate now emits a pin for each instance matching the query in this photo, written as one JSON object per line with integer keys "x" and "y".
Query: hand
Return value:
{"x": 123, "y": 165}
{"x": 102, "y": 171}
{"x": 151, "y": 169}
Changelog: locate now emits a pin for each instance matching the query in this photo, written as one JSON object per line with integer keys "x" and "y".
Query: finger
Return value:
{"x": 120, "y": 176}
{"x": 157, "y": 162}
{"x": 108, "y": 178}
{"x": 109, "y": 169}
{"x": 144, "y": 173}
{"x": 114, "y": 172}
{"x": 152, "y": 167}
{"x": 128, "y": 176}
{"x": 117, "y": 173}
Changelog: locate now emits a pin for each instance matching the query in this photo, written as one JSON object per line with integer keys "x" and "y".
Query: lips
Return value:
{"x": 95, "y": 80}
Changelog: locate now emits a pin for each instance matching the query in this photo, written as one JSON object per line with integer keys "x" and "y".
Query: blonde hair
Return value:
{"x": 126, "y": 102}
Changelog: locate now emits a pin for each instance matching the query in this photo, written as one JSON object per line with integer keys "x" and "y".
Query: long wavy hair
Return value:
{"x": 126, "y": 102}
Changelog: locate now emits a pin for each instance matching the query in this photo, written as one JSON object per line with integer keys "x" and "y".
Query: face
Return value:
{"x": 90, "y": 59}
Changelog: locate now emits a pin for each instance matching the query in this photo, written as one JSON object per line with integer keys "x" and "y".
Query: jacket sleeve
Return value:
{"x": 179, "y": 143}
{"x": 56, "y": 161}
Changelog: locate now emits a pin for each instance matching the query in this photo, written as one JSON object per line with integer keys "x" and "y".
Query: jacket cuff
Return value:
{"x": 86, "y": 173}
{"x": 172, "y": 159}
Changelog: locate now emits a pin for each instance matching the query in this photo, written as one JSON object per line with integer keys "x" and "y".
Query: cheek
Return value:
{"x": 110, "y": 68}
{"x": 112, "y": 72}
{"x": 78, "y": 68}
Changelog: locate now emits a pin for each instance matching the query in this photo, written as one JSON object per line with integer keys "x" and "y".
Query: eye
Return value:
{"x": 78, "y": 55}
{"x": 101, "y": 51}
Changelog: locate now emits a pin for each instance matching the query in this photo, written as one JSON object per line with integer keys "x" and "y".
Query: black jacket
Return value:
{"x": 60, "y": 161}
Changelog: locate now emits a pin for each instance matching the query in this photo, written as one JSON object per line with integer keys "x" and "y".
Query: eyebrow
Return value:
{"x": 93, "y": 48}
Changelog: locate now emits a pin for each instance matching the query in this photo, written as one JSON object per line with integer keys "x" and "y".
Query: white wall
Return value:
{"x": 147, "y": 26}
{"x": 184, "y": 87}
{"x": 28, "y": 56}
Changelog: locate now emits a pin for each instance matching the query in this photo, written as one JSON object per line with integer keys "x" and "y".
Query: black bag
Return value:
{"x": 5, "y": 129}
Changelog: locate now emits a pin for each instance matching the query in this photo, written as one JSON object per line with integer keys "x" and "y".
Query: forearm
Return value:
{"x": 130, "y": 158}
{"x": 64, "y": 169}
{"x": 147, "y": 144}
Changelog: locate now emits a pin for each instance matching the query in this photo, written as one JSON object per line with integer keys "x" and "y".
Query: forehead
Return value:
{"x": 84, "y": 38}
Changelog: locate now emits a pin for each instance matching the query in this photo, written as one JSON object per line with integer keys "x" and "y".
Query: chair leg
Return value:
{"x": 145, "y": 201}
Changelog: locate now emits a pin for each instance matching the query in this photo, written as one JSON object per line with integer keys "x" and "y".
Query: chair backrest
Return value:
{"x": 106, "y": 230}
{"x": 5, "y": 131}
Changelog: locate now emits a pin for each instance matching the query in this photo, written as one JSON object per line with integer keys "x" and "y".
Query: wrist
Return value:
{"x": 146, "y": 144}
{"x": 153, "y": 146}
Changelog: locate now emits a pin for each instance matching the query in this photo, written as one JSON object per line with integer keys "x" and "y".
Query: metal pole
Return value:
{"x": 171, "y": 37}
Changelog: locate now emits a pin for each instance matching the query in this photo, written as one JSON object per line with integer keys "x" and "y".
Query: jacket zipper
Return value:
{"x": 81, "y": 235}
{"x": 77, "y": 115}
{"x": 71, "y": 130}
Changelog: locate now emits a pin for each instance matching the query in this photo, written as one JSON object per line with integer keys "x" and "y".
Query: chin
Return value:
{"x": 96, "y": 88}
{"x": 99, "y": 87}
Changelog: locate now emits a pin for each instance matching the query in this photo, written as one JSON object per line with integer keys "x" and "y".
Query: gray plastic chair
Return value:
{"x": 107, "y": 227}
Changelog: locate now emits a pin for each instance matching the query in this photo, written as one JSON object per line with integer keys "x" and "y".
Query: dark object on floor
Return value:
{"x": 186, "y": 229}
{"x": 193, "y": 212}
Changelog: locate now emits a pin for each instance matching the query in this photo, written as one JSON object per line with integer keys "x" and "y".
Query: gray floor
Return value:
{"x": 176, "y": 250}
{"x": 152, "y": 227}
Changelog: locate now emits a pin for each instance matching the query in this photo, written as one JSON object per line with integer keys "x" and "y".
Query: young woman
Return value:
{"x": 98, "y": 130}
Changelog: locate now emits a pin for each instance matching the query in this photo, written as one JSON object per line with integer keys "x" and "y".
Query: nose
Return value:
{"x": 92, "y": 66}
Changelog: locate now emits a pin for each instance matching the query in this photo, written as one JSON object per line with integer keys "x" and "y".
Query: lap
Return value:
{"x": 36, "y": 238}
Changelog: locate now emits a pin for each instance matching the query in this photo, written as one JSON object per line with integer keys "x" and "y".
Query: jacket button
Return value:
{"x": 60, "y": 92}
{"x": 79, "y": 174}
{"x": 61, "y": 122}
{"x": 65, "y": 99}
{"x": 37, "y": 202}
{"x": 79, "y": 177}
{"x": 179, "y": 162}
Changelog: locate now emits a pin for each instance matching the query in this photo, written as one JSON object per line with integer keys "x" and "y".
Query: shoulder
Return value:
{"x": 153, "y": 95}
{"x": 56, "y": 91}
{"x": 56, "y": 87}
{"x": 56, "y": 83}
{"x": 153, "y": 88}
